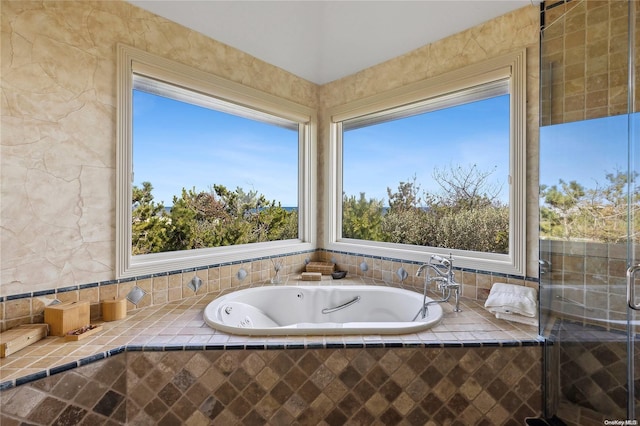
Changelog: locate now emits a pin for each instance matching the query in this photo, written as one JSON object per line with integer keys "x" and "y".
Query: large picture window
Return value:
{"x": 443, "y": 185}
{"x": 210, "y": 171}
{"x": 436, "y": 167}
{"x": 205, "y": 177}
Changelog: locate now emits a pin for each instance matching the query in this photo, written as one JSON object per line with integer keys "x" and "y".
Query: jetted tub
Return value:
{"x": 309, "y": 310}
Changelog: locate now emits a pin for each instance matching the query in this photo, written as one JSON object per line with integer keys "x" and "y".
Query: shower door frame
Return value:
{"x": 633, "y": 316}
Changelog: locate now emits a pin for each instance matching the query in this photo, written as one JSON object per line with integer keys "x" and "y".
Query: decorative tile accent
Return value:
{"x": 135, "y": 295}
{"x": 195, "y": 283}
{"x": 241, "y": 274}
{"x": 402, "y": 274}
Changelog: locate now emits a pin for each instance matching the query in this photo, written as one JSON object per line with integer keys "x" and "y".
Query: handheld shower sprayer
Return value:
{"x": 436, "y": 262}
{"x": 439, "y": 260}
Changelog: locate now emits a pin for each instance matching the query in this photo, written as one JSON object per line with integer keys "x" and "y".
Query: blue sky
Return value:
{"x": 584, "y": 151}
{"x": 381, "y": 156}
{"x": 179, "y": 145}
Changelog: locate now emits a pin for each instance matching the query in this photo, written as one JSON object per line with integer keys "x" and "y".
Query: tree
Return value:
{"x": 601, "y": 213}
{"x": 182, "y": 232}
{"x": 598, "y": 214}
{"x": 608, "y": 207}
{"x": 275, "y": 223}
{"x": 563, "y": 203}
{"x": 201, "y": 219}
{"x": 466, "y": 214}
{"x": 408, "y": 221}
{"x": 251, "y": 218}
{"x": 466, "y": 188}
{"x": 148, "y": 227}
{"x": 484, "y": 229}
{"x": 362, "y": 218}
{"x": 407, "y": 197}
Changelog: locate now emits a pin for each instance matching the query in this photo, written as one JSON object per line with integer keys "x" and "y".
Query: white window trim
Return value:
{"x": 511, "y": 66}
{"x": 132, "y": 60}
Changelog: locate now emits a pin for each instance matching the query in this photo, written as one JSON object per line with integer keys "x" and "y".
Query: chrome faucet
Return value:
{"x": 444, "y": 277}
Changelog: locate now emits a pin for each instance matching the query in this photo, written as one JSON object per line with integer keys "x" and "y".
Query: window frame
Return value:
{"x": 135, "y": 61}
{"x": 510, "y": 66}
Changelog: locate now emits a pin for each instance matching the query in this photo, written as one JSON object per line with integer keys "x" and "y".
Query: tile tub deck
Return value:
{"x": 179, "y": 326}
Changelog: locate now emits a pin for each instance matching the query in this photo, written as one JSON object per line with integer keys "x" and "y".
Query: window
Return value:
{"x": 209, "y": 171}
{"x": 241, "y": 186}
{"x": 435, "y": 167}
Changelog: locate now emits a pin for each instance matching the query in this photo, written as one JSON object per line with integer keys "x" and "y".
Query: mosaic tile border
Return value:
{"x": 266, "y": 346}
{"x": 61, "y": 368}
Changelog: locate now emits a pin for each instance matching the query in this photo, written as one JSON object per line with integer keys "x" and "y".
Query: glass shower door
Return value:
{"x": 589, "y": 218}
{"x": 584, "y": 264}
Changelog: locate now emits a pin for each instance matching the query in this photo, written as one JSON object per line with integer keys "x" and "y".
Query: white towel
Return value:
{"x": 512, "y": 299}
{"x": 517, "y": 318}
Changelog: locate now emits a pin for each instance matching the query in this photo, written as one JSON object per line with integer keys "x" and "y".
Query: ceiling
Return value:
{"x": 322, "y": 41}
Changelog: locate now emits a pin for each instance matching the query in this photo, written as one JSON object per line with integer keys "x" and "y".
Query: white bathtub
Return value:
{"x": 313, "y": 310}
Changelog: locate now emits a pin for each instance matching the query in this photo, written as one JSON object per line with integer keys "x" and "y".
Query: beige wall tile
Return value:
{"x": 17, "y": 308}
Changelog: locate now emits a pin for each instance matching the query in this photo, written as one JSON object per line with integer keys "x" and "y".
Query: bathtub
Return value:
{"x": 320, "y": 310}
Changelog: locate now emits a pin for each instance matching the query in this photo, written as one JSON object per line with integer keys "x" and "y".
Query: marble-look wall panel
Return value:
{"x": 498, "y": 36}
{"x": 58, "y": 81}
{"x": 58, "y": 139}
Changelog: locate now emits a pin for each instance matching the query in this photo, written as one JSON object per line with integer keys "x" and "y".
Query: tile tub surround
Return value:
{"x": 180, "y": 325}
{"x": 331, "y": 386}
{"x": 163, "y": 365}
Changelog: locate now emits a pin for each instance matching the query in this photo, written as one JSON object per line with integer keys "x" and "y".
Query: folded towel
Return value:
{"x": 517, "y": 318}
{"x": 510, "y": 298}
